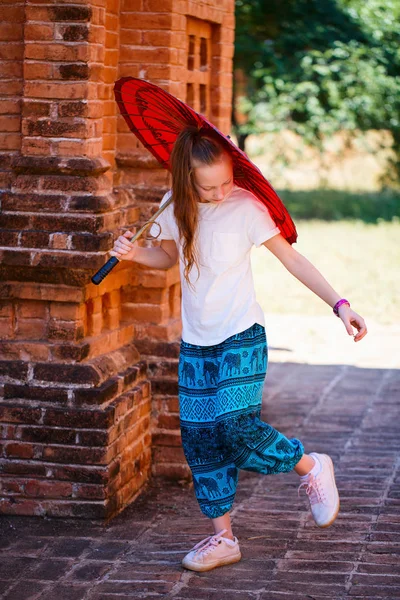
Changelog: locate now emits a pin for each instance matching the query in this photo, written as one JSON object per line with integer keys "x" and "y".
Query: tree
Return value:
{"x": 318, "y": 67}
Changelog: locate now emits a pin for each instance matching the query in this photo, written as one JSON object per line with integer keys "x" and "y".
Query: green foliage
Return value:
{"x": 319, "y": 66}
{"x": 335, "y": 205}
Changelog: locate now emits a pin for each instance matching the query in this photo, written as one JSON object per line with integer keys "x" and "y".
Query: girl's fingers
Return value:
{"x": 122, "y": 249}
{"x": 359, "y": 324}
{"x": 362, "y": 330}
{"x": 349, "y": 328}
{"x": 124, "y": 243}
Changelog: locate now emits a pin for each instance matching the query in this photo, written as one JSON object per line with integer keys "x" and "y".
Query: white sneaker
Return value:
{"x": 213, "y": 551}
{"x": 322, "y": 492}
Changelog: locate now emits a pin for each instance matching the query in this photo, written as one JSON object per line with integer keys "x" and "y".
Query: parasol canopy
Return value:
{"x": 156, "y": 117}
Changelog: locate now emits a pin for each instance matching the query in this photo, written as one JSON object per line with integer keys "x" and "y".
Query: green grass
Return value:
{"x": 361, "y": 261}
{"x": 335, "y": 205}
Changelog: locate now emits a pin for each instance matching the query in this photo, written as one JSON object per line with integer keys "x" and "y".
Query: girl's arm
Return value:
{"x": 159, "y": 257}
{"x": 305, "y": 272}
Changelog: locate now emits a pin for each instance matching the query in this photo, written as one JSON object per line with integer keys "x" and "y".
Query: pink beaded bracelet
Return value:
{"x": 339, "y": 304}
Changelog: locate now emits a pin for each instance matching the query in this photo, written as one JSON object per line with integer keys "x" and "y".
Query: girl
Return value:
{"x": 211, "y": 226}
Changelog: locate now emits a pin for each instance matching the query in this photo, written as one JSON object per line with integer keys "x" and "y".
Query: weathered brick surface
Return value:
{"x": 346, "y": 411}
{"x": 72, "y": 178}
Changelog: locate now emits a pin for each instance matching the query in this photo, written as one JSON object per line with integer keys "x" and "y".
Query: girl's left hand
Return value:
{"x": 352, "y": 319}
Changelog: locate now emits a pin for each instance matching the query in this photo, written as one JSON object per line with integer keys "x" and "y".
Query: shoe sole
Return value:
{"x": 196, "y": 567}
{"x": 325, "y": 525}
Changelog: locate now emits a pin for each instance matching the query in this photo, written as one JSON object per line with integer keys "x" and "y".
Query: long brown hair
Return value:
{"x": 192, "y": 144}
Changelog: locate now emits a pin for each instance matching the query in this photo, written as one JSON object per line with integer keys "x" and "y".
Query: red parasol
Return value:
{"x": 156, "y": 118}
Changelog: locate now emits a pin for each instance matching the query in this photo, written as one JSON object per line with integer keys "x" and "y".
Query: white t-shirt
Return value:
{"x": 222, "y": 301}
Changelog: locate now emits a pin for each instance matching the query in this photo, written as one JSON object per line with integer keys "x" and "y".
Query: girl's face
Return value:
{"x": 213, "y": 182}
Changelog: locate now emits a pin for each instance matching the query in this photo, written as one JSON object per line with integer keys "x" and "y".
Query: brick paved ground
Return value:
{"x": 331, "y": 405}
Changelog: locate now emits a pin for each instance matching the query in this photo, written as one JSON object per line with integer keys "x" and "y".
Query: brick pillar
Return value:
{"x": 75, "y": 410}
{"x": 76, "y": 418}
{"x": 187, "y": 48}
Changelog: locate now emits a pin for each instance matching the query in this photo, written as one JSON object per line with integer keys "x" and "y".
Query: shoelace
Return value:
{"x": 314, "y": 490}
{"x": 209, "y": 543}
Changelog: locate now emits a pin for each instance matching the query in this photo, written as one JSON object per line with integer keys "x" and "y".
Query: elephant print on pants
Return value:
{"x": 255, "y": 358}
{"x": 231, "y": 476}
{"x": 210, "y": 370}
{"x": 232, "y": 362}
{"x": 264, "y": 356}
{"x": 211, "y": 485}
{"x": 188, "y": 373}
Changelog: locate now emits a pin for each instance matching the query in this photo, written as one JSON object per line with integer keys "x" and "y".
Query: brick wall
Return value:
{"x": 11, "y": 77}
{"x": 80, "y": 431}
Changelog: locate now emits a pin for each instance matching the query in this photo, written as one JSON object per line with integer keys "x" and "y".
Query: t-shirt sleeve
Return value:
{"x": 262, "y": 226}
{"x": 164, "y": 221}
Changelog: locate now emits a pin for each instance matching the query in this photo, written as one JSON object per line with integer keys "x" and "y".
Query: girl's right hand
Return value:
{"x": 124, "y": 249}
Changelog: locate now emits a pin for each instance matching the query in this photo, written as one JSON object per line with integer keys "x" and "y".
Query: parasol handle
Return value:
{"x": 113, "y": 261}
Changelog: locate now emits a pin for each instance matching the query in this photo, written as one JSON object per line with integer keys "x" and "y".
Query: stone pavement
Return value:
{"x": 337, "y": 398}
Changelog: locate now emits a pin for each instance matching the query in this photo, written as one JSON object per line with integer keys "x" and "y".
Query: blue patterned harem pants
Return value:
{"x": 220, "y": 395}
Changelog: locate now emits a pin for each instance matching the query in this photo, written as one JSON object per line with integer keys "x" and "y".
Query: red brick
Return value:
{"x": 33, "y": 351}
{"x": 70, "y": 147}
{"x": 12, "y": 51}
{"x": 18, "y": 450}
{"x": 89, "y": 492}
{"x": 9, "y": 123}
{"x": 11, "y": 488}
{"x": 38, "y": 71}
{"x": 129, "y": 5}
{"x": 13, "y": 369}
{"x": 32, "y": 392}
{"x": 31, "y": 309}
{"x": 9, "y": 238}
{"x": 64, "y": 223}
{"x": 67, "y": 454}
{"x": 10, "y": 70}
{"x": 131, "y": 37}
{"x": 171, "y": 438}
{"x": 73, "y": 351}
{"x": 143, "y": 21}
{"x": 151, "y": 313}
{"x": 31, "y": 329}
{"x": 74, "y": 71}
{"x": 16, "y": 257}
{"x": 8, "y": 107}
{"x": 13, "y": 14}
{"x": 10, "y": 141}
{"x": 98, "y": 419}
{"x": 59, "y": 241}
{"x": 98, "y": 395}
{"x": 70, "y": 13}
{"x": 10, "y": 31}
{"x": 48, "y": 489}
{"x": 66, "y": 311}
{"x": 19, "y": 414}
{"x": 81, "y": 473}
{"x": 36, "y": 146}
{"x": 66, "y": 373}
{"x": 65, "y": 330}
{"x": 168, "y": 422}
{"x": 34, "y": 239}
{"x": 14, "y": 87}
{"x": 39, "y": 32}
{"x": 168, "y": 455}
{"x": 73, "y": 109}
{"x": 6, "y": 309}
